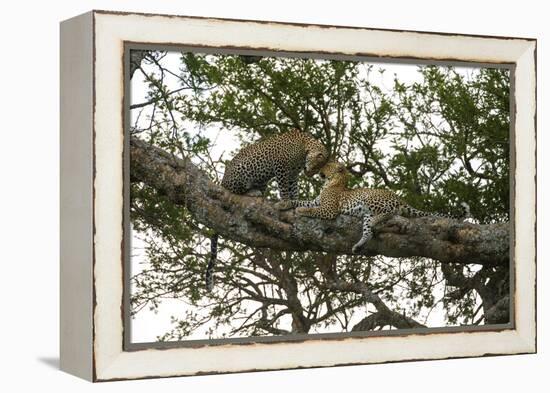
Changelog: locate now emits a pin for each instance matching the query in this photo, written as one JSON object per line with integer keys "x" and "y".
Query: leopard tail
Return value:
{"x": 209, "y": 274}
{"x": 410, "y": 211}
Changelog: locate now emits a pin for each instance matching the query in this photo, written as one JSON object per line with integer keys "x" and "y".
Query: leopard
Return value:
{"x": 282, "y": 158}
{"x": 371, "y": 205}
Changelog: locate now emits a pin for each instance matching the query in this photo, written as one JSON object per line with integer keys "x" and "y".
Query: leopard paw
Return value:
{"x": 283, "y": 205}
{"x": 254, "y": 193}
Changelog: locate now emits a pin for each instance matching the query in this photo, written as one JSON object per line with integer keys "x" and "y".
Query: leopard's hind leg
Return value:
{"x": 369, "y": 221}
{"x": 367, "y": 232}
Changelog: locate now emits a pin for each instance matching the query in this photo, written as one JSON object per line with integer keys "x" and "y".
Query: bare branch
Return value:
{"x": 384, "y": 315}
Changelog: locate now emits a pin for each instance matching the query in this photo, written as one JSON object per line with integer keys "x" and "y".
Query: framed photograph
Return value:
{"x": 245, "y": 195}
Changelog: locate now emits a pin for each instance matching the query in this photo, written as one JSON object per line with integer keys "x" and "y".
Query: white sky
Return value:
{"x": 147, "y": 324}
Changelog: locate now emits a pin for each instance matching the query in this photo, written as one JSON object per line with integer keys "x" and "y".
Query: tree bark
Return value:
{"x": 256, "y": 222}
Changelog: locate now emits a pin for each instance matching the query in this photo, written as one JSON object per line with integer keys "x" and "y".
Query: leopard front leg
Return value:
{"x": 290, "y": 204}
{"x": 316, "y": 212}
{"x": 293, "y": 188}
{"x": 288, "y": 185}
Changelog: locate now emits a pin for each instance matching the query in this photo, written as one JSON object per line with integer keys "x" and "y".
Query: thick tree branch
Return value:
{"x": 255, "y": 221}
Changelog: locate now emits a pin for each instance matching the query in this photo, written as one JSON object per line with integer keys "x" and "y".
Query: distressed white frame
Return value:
{"x": 92, "y": 230}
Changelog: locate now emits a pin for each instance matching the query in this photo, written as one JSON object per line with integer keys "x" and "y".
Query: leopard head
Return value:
{"x": 317, "y": 156}
{"x": 334, "y": 173}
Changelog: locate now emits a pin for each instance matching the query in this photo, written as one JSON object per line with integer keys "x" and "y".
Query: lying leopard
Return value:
{"x": 371, "y": 205}
{"x": 281, "y": 158}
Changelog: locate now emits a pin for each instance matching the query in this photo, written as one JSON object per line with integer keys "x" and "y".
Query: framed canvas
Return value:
{"x": 246, "y": 195}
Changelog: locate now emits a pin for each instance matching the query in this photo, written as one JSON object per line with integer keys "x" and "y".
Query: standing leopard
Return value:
{"x": 280, "y": 158}
{"x": 371, "y": 205}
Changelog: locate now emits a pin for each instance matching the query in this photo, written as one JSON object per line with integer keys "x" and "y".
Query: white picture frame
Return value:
{"x": 92, "y": 184}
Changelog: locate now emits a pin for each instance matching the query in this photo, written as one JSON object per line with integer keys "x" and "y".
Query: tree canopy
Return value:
{"x": 435, "y": 135}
